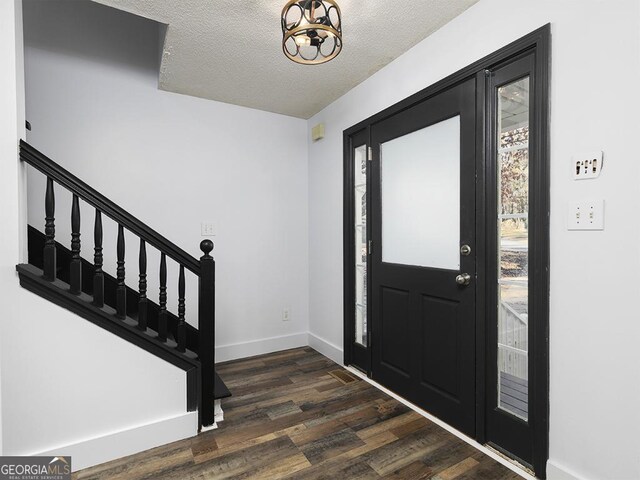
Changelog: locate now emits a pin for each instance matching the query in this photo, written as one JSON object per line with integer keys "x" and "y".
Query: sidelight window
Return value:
{"x": 513, "y": 247}
{"x": 360, "y": 216}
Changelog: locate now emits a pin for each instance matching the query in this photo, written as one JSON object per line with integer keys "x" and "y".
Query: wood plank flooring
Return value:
{"x": 292, "y": 416}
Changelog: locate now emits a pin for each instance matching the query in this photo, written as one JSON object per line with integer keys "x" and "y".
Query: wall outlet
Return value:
{"x": 586, "y": 165}
{"x": 286, "y": 314}
{"x": 586, "y": 215}
{"x": 208, "y": 229}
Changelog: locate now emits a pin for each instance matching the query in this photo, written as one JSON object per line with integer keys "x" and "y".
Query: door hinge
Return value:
{"x": 369, "y": 154}
{"x": 370, "y": 247}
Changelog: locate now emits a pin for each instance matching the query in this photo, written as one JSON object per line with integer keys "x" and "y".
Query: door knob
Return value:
{"x": 463, "y": 279}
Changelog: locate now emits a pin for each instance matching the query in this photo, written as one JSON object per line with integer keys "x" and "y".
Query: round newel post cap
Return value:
{"x": 206, "y": 246}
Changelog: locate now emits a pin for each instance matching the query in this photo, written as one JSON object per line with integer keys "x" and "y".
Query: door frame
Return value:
{"x": 538, "y": 42}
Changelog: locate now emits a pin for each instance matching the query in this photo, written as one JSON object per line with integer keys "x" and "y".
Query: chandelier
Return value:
{"x": 311, "y": 31}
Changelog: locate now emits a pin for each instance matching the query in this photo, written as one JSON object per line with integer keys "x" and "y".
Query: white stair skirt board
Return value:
{"x": 252, "y": 348}
{"x": 326, "y": 348}
{"x": 449, "y": 428}
{"x": 556, "y": 471}
{"x": 111, "y": 446}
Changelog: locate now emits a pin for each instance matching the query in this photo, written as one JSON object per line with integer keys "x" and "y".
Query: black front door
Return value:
{"x": 423, "y": 254}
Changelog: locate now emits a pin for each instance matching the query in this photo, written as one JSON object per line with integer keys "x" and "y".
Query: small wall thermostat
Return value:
{"x": 586, "y": 165}
{"x": 317, "y": 132}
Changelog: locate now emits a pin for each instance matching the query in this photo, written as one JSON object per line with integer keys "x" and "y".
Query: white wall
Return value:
{"x": 173, "y": 161}
{"x": 66, "y": 381}
{"x": 63, "y": 380}
{"x": 595, "y": 391}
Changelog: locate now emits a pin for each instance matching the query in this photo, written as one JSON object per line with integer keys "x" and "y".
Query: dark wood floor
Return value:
{"x": 297, "y": 415}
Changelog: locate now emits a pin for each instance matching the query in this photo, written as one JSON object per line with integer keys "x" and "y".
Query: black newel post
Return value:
{"x": 121, "y": 289}
{"x": 206, "y": 332}
{"x": 142, "y": 287}
{"x": 75, "y": 268}
{"x": 49, "y": 264}
{"x": 98, "y": 274}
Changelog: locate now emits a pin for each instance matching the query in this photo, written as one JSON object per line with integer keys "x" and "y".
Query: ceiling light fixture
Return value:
{"x": 311, "y": 31}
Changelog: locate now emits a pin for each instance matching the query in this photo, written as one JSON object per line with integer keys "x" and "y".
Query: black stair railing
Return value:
{"x": 162, "y": 317}
{"x": 142, "y": 287}
{"x": 75, "y": 273}
{"x": 49, "y": 253}
{"x": 98, "y": 274}
{"x": 204, "y": 269}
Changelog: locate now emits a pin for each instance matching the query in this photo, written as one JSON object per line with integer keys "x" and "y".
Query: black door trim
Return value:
{"x": 538, "y": 42}
{"x": 503, "y": 430}
{"x": 538, "y": 39}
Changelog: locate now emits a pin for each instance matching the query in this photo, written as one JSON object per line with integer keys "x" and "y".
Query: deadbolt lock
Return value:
{"x": 465, "y": 250}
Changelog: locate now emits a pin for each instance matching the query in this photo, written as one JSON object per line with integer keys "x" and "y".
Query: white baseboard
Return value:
{"x": 259, "y": 347}
{"x": 326, "y": 348}
{"x": 560, "y": 472}
{"x": 95, "y": 451}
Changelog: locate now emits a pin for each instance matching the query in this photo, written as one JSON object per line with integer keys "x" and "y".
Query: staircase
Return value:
{"x": 64, "y": 277}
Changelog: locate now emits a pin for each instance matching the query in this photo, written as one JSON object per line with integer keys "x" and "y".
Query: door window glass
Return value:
{"x": 513, "y": 247}
{"x": 420, "y": 175}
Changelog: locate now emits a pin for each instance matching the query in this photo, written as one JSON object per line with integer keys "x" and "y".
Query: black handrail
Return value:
{"x": 54, "y": 171}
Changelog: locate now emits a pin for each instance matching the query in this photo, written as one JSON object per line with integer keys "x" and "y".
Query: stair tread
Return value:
{"x": 220, "y": 390}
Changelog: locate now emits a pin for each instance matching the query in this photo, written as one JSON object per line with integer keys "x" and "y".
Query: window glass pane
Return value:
{"x": 514, "y": 180}
{"x": 360, "y": 216}
{"x": 513, "y": 247}
{"x": 421, "y": 197}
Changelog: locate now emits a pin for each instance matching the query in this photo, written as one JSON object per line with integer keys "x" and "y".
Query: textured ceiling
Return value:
{"x": 231, "y": 51}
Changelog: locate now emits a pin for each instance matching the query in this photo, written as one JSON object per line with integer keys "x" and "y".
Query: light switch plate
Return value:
{"x": 587, "y": 165}
{"x": 208, "y": 229}
{"x": 586, "y": 215}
